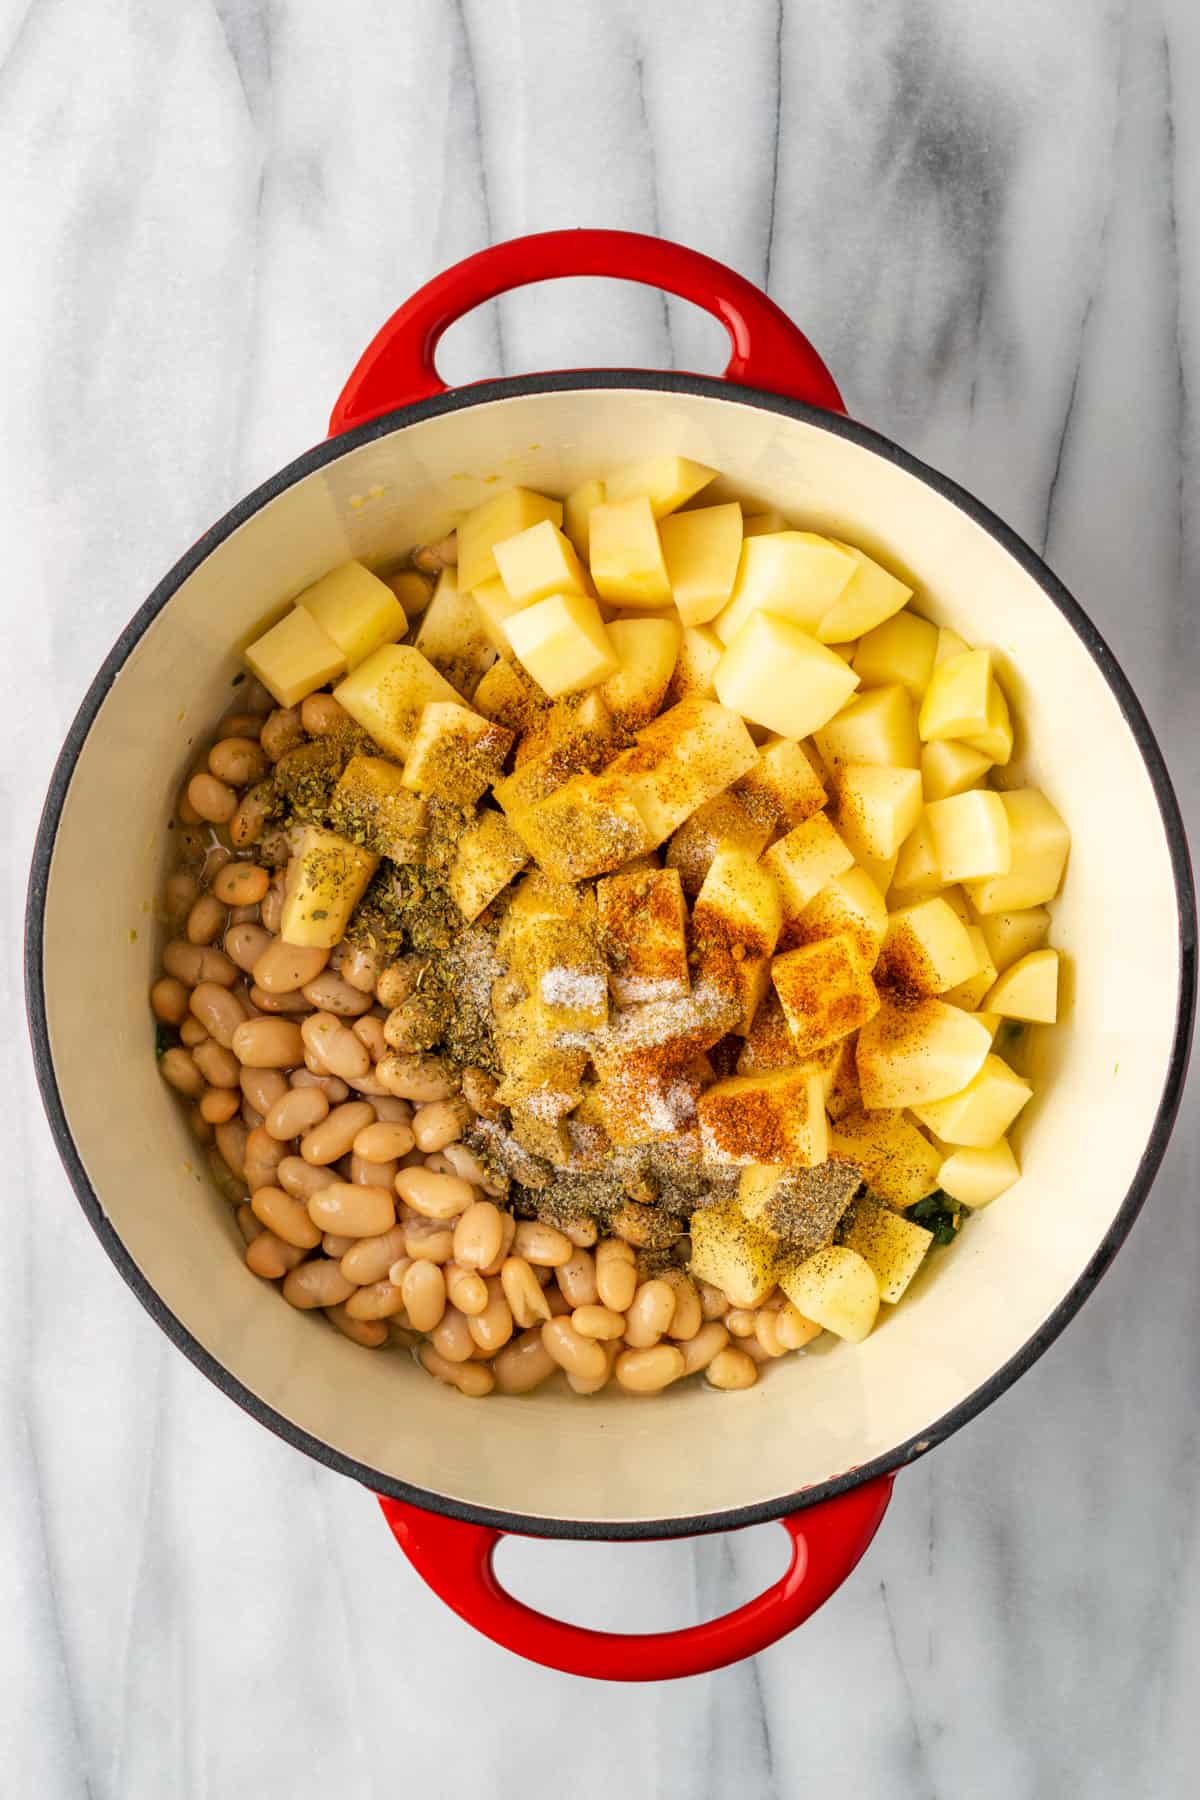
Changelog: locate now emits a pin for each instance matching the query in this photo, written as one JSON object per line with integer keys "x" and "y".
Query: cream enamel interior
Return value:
{"x": 612, "y": 1458}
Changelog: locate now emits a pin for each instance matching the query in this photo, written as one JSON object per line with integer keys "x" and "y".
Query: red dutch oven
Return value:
{"x": 817, "y": 1443}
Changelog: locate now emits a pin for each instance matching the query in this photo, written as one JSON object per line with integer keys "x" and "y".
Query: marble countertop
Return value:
{"x": 988, "y": 218}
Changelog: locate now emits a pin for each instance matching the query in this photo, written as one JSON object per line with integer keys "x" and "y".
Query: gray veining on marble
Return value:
{"x": 988, "y": 218}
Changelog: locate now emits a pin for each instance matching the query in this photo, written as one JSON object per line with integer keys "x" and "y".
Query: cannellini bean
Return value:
{"x": 247, "y": 1224}
{"x": 169, "y": 1000}
{"x": 469, "y": 1378}
{"x": 688, "y": 1315}
{"x": 219, "y": 1067}
{"x": 369, "y": 1174}
{"x": 217, "y": 1105}
{"x": 731, "y": 1369}
{"x": 578, "y": 1384}
{"x": 467, "y": 1290}
{"x": 267, "y": 1043}
{"x": 352, "y": 1211}
{"x": 269, "y": 1257}
{"x": 293, "y": 1005}
{"x": 428, "y": 1240}
{"x": 508, "y": 1231}
{"x": 332, "y": 1138}
{"x": 792, "y": 1328}
{"x": 414, "y": 1077}
{"x": 699, "y": 1351}
{"x": 321, "y": 713}
{"x": 286, "y": 1216}
{"x": 423, "y": 1287}
{"x": 281, "y": 732}
{"x": 243, "y": 915}
{"x": 523, "y": 1364}
{"x": 297, "y": 1177}
{"x": 239, "y": 724}
{"x": 527, "y": 1302}
{"x": 582, "y": 1233}
{"x": 206, "y": 921}
{"x": 451, "y": 1336}
{"x": 540, "y": 1243}
{"x": 335, "y": 1047}
{"x": 372, "y": 1334}
{"x": 578, "y": 1355}
{"x": 434, "y": 1196}
{"x": 249, "y": 822}
{"x": 464, "y": 1162}
{"x": 316, "y": 1283}
{"x": 713, "y": 1303}
{"x": 649, "y": 1314}
{"x": 262, "y": 1158}
{"x": 397, "y": 982}
{"x": 297, "y": 1110}
{"x": 598, "y": 1322}
{"x": 199, "y": 1126}
{"x": 360, "y": 967}
{"x": 478, "y": 1234}
{"x": 740, "y": 1321}
{"x": 380, "y": 1300}
{"x": 369, "y": 1031}
{"x": 179, "y": 1070}
{"x": 241, "y": 884}
{"x": 211, "y": 799}
{"x": 368, "y": 1259}
{"x": 577, "y": 1279}
{"x": 649, "y": 1371}
{"x": 194, "y": 963}
{"x": 250, "y": 1119}
{"x": 766, "y": 1330}
{"x": 616, "y": 1274}
{"x": 329, "y": 993}
{"x": 180, "y": 890}
{"x": 383, "y": 1142}
{"x": 332, "y": 1086}
{"x": 219, "y": 1011}
{"x": 244, "y": 944}
{"x": 236, "y": 762}
{"x": 271, "y": 910}
{"x": 492, "y": 1328}
{"x": 556, "y": 1300}
{"x": 282, "y": 968}
{"x": 191, "y": 1033}
{"x": 440, "y": 1123}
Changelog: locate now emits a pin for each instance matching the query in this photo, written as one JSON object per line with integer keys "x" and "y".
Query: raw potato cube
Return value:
{"x": 643, "y": 926}
{"x": 977, "y": 1177}
{"x": 927, "y": 949}
{"x": 901, "y": 649}
{"x": 780, "y": 677}
{"x": 768, "y": 1042}
{"x": 682, "y": 759}
{"x": 894, "y": 1248}
{"x": 803, "y": 1207}
{"x": 626, "y": 555}
{"x": 372, "y": 806}
{"x": 496, "y": 608}
{"x": 588, "y": 826}
{"x": 759, "y": 524}
{"x": 879, "y": 726}
{"x": 982, "y": 1111}
{"x": 995, "y": 741}
{"x": 326, "y": 877}
{"x": 948, "y": 767}
{"x": 488, "y": 856}
{"x": 725, "y": 821}
{"x": 454, "y": 638}
{"x": 388, "y": 692}
{"x": 850, "y": 902}
{"x": 356, "y": 609}
{"x": 877, "y": 807}
{"x": 1029, "y": 989}
{"x": 735, "y": 927}
{"x": 811, "y": 855}
{"x": 825, "y": 990}
{"x": 872, "y": 595}
{"x": 577, "y": 513}
{"x": 538, "y": 561}
{"x": 562, "y": 643}
{"x": 507, "y": 694}
{"x": 916, "y": 873}
{"x": 777, "y": 1116}
{"x": 782, "y": 787}
{"x": 956, "y": 700}
{"x": 971, "y": 993}
{"x": 897, "y": 1162}
{"x": 837, "y": 1289}
{"x": 699, "y": 653}
{"x": 456, "y": 754}
{"x": 911, "y": 1055}
{"x": 294, "y": 658}
{"x": 970, "y": 835}
{"x": 1039, "y": 842}
{"x": 949, "y": 644}
{"x": 646, "y": 650}
{"x": 642, "y": 1103}
{"x": 701, "y": 550}
{"x": 500, "y": 517}
{"x": 665, "y": 481}
{"x": 731, "y": 1254}
{"x": 1012, "y": 935}
{"x": 577, "y": 733}
{"x": 795, "y": 575}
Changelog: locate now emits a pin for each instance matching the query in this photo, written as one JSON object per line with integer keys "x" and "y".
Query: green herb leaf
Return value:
{"x": 939, "y": 1214}
{"x": 238, "y": 678}
{"x": 1010, "y": 1031}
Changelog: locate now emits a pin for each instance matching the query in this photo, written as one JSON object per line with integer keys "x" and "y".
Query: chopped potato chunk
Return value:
{"x": 326, "y": 877}
{"x": 778, "y": 676}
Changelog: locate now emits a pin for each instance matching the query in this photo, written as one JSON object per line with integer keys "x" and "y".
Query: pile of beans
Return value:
{"x": 341, "y": 1145}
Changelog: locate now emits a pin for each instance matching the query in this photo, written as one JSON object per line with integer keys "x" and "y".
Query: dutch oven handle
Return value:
{"x": 398, "y": 367}
{"x": 456, "y": 1560}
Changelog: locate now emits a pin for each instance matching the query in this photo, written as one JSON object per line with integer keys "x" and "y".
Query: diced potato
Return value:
{"x": 777, "y": 1116}
{"x": 500, "y": 517}
{"x": 825, "y": 990}
{"x": 699, "y": 653}
{"x": 735, "y": 927}
{"x": 916, "y": 873}
{"x": 496, "y": 608}
{"x": 948, "y": 767}
{"x": 538, "y": 561}
{"x": 995, "y": 741}
{"x": 980, "y": 1112}
{"x": 897, "y": 1162}
{"x": 701, "y": 550}
{"x": 643, "y": 926}
{"x": 954, "y": 897}
{"x": 970, "y": 835}
{"x": 682, "y": 759}
{"x": 811, "y": 855}
{"x": 487, "y": 857}
{"x": 562, "y": 642}
{"x": 794, "y": 575}
{"x": 326, "y": 878}
{"x": 356, "y": 609}
{"x": 879, "y": 726}
{"x": 1012, "y": 935}
{"x": 577, "y": 513}
{"x": 456, "y": 754}
{"x": 768, "y": 1042}
{"x": 956, "y": 700}
{"x": 372, "y": 806}
{"x": 849, "y": 902}
{"x": 295, "y": 658}
{"x": 872, "y": 595}
{"x": 731, "y": 1254}
{"x": 577, "y": 733}
{"x": 949, "y": 644}
{"x": 412, "y": 589}
{"x": 877, "y": 807}
{"x": 1039, "y": 843}
{"x": 724, "y": 821}
{"x": 802, "y": 1207}
{"x": 388, "y": 692}
{"x": 894, "y": 1248}
{"x": 665, "y": 481}
{"x": 588, "y": 826}
{"x": 971, "y": 993}
{"x": 646, "y": 650}
{"x": 626, "y": 555}
{"x": 844, "y": 1095}
{"x": 643, "y": 1103}
{"x": 673, "y": 1032}
{"x": 759, "y": 524}
{"x": 782, "y": 787}
{"x": 454, "y": 638}
{"x": 881, "y": 869}
{"x": 977, "y": 1177}
{"x": 911, "y": 1055}
{"x": 1029, "y": 989}
{"x": 901, "y": 650}
{"x": 837, "y": 1289}
{"x": 507, "y": 694}
{"x": 780, "y": 677}
{"x": 927, "y": 949}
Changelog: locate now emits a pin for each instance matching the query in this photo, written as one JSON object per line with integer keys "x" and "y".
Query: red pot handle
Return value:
{"x": 456, "y": 1559}
{"x": 397, "y": 367}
